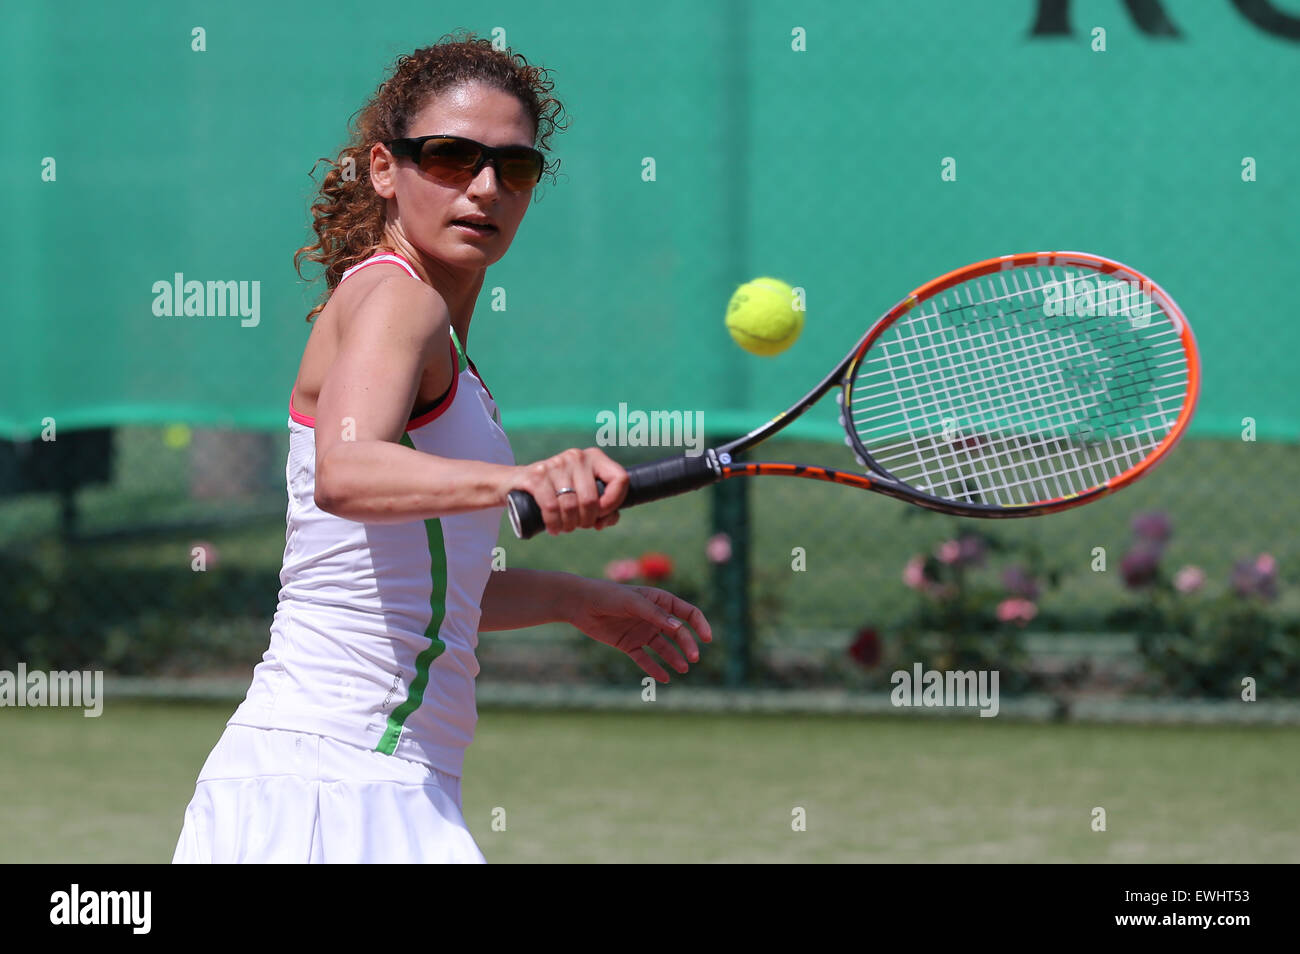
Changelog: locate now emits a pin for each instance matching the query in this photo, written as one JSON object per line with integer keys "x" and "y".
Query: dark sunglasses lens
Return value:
{"x": 449, "y": 158}
{"x": 521, "y": 170}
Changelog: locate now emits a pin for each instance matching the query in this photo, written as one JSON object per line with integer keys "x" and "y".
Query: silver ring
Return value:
{"x": 565, "y": 490}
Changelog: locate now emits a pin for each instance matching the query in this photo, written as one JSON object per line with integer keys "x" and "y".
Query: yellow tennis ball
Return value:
{"x": 763, "y": 318}
{"x": 176, "y": 436}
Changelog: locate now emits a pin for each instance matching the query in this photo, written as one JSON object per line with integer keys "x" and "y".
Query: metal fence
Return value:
{"x": 157, "y": 551}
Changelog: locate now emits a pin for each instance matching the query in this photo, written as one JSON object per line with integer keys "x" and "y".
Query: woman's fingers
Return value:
{"x": 694, "y": 616}
{"x": 669, "y": 653}
{"x": 648, "y": 664}
{"x": 538, "y": 482}
{"x": 612, "y": 474}
{"x": 584, "y": 482}
{"x": 564, "y": 478}
{"x": 575, "y": 472}
{"x": 674, "y": 606}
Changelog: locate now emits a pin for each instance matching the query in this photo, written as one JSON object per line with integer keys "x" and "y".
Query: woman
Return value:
{"x": 350, "y": 743}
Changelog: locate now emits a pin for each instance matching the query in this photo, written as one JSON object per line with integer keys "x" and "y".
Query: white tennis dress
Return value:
{"x": 350, "y": 742}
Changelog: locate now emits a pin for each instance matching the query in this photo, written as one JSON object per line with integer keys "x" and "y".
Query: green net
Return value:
{"x": 853, "y": 150}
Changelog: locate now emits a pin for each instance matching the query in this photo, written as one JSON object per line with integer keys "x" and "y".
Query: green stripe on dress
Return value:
{"x": 438, "y": 605}
{"x": 460, "y": 353}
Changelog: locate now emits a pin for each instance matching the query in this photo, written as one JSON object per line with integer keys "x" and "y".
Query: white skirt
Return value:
{"x": 274, "y": 796}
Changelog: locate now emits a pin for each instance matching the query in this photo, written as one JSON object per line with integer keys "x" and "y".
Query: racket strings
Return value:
{"x": 991, "y": 389}
{"x": 1030, "y": 389}
{"x": 1013, "y": 447}
{"x": 1005, "y": 393}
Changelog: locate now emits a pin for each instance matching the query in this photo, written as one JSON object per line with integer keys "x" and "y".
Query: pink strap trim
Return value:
{"x": 384, "y": 258}
{"x": 300, "y": 418}
{"x": 437, "y": 411}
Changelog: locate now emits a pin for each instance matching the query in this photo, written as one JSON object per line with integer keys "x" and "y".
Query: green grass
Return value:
{"x": 664, "y": 787}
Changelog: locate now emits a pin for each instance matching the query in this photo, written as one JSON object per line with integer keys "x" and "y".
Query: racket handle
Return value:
{"x": 646, "y": 482}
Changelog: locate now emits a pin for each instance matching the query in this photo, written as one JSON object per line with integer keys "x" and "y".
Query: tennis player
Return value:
{"x": 350, "y": 743}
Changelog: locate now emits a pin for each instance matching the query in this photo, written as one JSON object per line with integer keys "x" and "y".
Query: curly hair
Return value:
{"x": 348, "y": 215}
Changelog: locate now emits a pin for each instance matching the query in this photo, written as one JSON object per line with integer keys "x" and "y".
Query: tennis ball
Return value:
{"x": 762, "y": 316}
{"x": 176, "y": 436}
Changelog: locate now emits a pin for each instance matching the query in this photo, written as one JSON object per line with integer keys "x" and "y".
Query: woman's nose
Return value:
{"x": 485, "y": 181}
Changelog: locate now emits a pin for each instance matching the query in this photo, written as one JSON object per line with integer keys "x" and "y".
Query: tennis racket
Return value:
{"x": 1017, "y": 386}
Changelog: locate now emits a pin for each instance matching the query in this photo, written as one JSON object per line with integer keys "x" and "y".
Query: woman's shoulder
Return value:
{"x": 380, "y": 269}
{"x": 385, "y": 288}
{"x": 382, "y": 259}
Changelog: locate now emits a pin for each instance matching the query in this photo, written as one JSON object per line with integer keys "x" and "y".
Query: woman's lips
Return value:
{"x": 480, "y": 230}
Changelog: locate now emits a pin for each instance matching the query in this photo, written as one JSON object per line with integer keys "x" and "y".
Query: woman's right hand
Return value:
{"x": 579, "y": 470}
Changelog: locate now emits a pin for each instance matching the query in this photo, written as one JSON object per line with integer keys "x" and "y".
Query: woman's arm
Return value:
{"x": 629, "y": 618}
{"x": 517, "y": 599}
{"x": 378, "y": 481}
{"x": 398, "y": 331}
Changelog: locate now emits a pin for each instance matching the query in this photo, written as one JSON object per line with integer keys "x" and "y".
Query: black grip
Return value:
{"x": 652, "y": 481}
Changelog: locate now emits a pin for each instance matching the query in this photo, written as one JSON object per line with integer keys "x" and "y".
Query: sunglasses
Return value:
{"x": 456, "y": 160}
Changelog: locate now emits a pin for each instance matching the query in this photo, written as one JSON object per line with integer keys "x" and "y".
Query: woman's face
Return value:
{"x": 422, "y": 208}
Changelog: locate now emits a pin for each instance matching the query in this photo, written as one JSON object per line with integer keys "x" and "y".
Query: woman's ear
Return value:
{"x": 382, "y": 169}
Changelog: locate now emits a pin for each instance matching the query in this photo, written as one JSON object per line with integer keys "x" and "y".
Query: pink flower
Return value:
{"x": 208, "y": 552}
{"x": 718, "y": 549}
{"x": 966, "y": 550}
{"x": 1016, "y": 610}
{"x": 914, "y": 573}
{"x": 622, "y": 571}
{"x": 1265, "y": 564}
{"x": 1189, "y": 579}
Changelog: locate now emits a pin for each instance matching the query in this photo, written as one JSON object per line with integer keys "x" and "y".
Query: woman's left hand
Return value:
{"x": 636, "y": 618}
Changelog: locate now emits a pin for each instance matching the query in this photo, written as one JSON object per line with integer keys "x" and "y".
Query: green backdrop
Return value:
{"x": 820, "y": 166}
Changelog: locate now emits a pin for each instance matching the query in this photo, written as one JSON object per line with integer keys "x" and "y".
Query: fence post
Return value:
{"x": 731, "y": 579}
{"x": 731, "y": 497}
